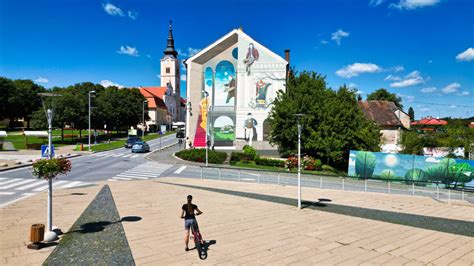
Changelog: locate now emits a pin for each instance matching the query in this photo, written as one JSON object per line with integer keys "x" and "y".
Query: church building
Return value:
{"x": 164, "y": 101}
{"x": 231, "y": 85}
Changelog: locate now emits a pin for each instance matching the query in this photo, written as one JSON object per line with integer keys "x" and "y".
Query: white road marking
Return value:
{"x": 9, "y": 181}
{"x": 19, "y": 183}
{"x": 110, "y": 179}
{"x": 122, "y": 178}
{"x": 2, "y": 178}
{"x": 45, "y": 187}
{"x": 73, "y": 184}
{"x": 28, "y": 194}
{"x": 127, "y": 155}
{"x": 181, "y": 169}
{"x": 132, "y": 176}
{"x": 37, "y": 183}
{"x": 135, "y": 155}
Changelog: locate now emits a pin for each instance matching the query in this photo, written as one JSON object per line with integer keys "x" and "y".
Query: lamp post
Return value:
{"x": 144, "y": 126}
{"x": 90, "y": 95}
{"x": 50, "y": 235}
{"x": 298, "y": 116}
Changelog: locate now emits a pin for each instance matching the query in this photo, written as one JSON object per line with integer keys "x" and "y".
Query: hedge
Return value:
{"x": 269, "y": 162}
{"x": 199, "y": 155}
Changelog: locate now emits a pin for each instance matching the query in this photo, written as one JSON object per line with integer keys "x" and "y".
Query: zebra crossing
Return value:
{"x": 142, "y": 172}
{"x": 30, "y": 186}
{"x": 128, "y": 154}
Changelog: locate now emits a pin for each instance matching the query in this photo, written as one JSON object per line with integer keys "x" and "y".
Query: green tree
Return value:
{"x": 7, "y": 89}
{"x": 333, "y": 123}
{"x": 384, "y": 95}
{"x": 411, "y": 114}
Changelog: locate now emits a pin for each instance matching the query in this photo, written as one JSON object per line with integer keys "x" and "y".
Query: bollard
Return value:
{"x": 412, "y": 189}
{"x": 258, "y": 178}
{"x": 321, "y": 182}
{"x": 220, "y": 176}
{"x": 36, "y": 236}
{"x": 388, "y": 187}
{"x": 449, "y": 196}
{"x": 365, "y": 185}
{"x": 239, "y": 175}
{"x": 343, "y": 188}
{"x": 462, "y": 194}
{"x": 278, "y": 178}
{"x": 201, "y": 173}
{"x": 437, "y": 191}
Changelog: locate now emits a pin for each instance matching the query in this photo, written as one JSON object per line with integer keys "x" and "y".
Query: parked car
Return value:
{"x": 130, "y": 141}
{"x": 180, "y": 134}
{"x": 140, "y": 146}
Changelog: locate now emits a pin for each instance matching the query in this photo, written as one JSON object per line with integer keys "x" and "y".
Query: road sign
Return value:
{"x": 44, "y": 151}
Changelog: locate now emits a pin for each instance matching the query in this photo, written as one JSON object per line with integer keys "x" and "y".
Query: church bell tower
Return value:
{"x": 170, "y": 71}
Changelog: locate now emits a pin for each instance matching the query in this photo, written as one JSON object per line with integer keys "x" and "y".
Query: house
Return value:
{"x": 390, "y": 119}
{"x": 429, "y": 123}
{"x": 157, "y": 109}
{"x": 231, "y": 85}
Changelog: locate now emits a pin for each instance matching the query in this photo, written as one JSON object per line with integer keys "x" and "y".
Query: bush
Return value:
{"x": 309, "y": 163}
{"x": 269, "y": 162}
{"x": 327, "y": 168}
{"x": 199, "y": 155}
{"x": 236, "y": 157}
{"x": 291, "y": 162}
{"x": 249, "y": 152}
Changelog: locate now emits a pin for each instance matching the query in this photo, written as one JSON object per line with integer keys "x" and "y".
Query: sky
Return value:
{"x": 422, "y": 50}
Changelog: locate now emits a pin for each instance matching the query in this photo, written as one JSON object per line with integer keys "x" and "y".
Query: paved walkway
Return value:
{"x": 250, "y": 230}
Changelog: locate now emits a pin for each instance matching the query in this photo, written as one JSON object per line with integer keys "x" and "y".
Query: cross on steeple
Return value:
{"x": 170, "y": 44}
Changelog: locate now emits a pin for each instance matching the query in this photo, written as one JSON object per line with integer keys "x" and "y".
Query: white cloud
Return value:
{"x": 413, "y": 4}
{"x": 108, "y": 83}
{"x": 338, "y": 35}
{"x": 412, "y": 79}
{"x": 41, "y": 80}
{"x": 148, "y": 55}
{"x": 425, "y": 109}
{"x": 352, "y": 85}
{"x": 467, "y": 55}
{"x": 410, "y": 98}
{"x": 324, "y": 42}
{"x": 193, "y": 51}
{"x": 428, "y": 90}
{"x": 392, "y": 78}
{"x": 398, "y": 69}
{"x": 132, "y": 14}
{"x": 132, "y": 51}
{"x": 112, "y": 10}
{"x": 355, "y": 69}
{"x": 430, "y": 61}
{"x": 464, "y": 93}
{"x": 183, "y": 77}
{"x": 451, "y": 88}
{"x": 452, "y": 106}
{"x": 376, "y": 2}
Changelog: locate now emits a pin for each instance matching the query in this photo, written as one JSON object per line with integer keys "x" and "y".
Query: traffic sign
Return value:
{"x": 45, "y": 151}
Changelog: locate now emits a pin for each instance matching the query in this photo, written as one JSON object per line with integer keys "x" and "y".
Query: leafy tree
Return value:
{"x": 7, "y": 89}
{"x": 333, "y": 123}
{"x": 411, "y": 114}
{"x": 384, "y": 95}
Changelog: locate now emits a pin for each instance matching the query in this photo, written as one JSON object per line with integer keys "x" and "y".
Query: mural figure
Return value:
{"x": 252, "y": 56}
{"x": 249, "y": 125}
{"x": 230, "y": 89}
{"x": 204, "y": 106}
{"x": 261, "y": 89}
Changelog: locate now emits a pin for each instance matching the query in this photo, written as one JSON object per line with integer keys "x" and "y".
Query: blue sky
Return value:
{"x": 420, "y": 49}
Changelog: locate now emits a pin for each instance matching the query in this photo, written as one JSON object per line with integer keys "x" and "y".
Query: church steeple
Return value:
{"x": 170, "y": 45}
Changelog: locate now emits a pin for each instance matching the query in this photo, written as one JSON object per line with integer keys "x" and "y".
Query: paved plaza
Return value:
{"x": 255, "y": 224}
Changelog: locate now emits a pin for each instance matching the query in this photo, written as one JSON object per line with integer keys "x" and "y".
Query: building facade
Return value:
{"x": 231, "y": 85}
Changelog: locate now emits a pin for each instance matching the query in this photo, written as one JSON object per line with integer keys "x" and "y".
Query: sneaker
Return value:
{"x": 186, "y": 249}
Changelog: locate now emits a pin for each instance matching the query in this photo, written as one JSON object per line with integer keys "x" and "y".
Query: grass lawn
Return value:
{"x": 280, "y": 169}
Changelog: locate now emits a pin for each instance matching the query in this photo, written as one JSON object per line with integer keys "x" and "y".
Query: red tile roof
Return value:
{"x": 154, "y": 96}
{"x": 155, "y": 91}
{"x": 429, "y": 121}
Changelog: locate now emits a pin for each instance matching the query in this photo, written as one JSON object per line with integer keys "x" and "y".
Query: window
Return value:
{"x": 168, "y": 70}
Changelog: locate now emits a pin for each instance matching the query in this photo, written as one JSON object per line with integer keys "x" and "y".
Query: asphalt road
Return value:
{"x": 115, "y": 165}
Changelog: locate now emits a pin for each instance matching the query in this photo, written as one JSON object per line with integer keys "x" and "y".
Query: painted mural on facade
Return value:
{"x": 408, "y": 168}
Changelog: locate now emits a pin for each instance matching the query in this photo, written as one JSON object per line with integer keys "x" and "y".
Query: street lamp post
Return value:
{"x": 144, "y": 126}
{"x": 206, "y": 94}
{"x": 298, "y": 116}
{"x": 90, "y": 94}
{"x": 50, "y": 235}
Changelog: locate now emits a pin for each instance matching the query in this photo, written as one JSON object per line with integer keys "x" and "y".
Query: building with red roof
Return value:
{"x": 429, "y": 123}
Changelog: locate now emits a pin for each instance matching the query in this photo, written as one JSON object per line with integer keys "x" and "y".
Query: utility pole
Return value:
{"x": 144, "y": 125}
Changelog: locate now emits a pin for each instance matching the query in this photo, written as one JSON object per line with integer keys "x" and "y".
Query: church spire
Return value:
{"x": 170, "y": 45}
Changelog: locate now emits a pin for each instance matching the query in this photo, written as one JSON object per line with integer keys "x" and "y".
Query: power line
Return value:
{"x": 443, "y": 104}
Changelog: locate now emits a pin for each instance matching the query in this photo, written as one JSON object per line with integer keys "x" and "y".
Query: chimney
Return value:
{"x": 287, "y": 56}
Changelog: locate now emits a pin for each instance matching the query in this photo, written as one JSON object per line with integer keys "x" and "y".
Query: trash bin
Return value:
{"x": 36, "y": 233}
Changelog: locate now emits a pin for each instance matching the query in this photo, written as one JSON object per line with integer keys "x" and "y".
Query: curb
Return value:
{"x": 162, "y": 148}
{"x": 29, "y": 164}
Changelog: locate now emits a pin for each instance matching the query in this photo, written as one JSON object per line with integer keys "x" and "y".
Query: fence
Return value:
{"x": 420, "y": 170}
{"x": 431, "y": 189}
